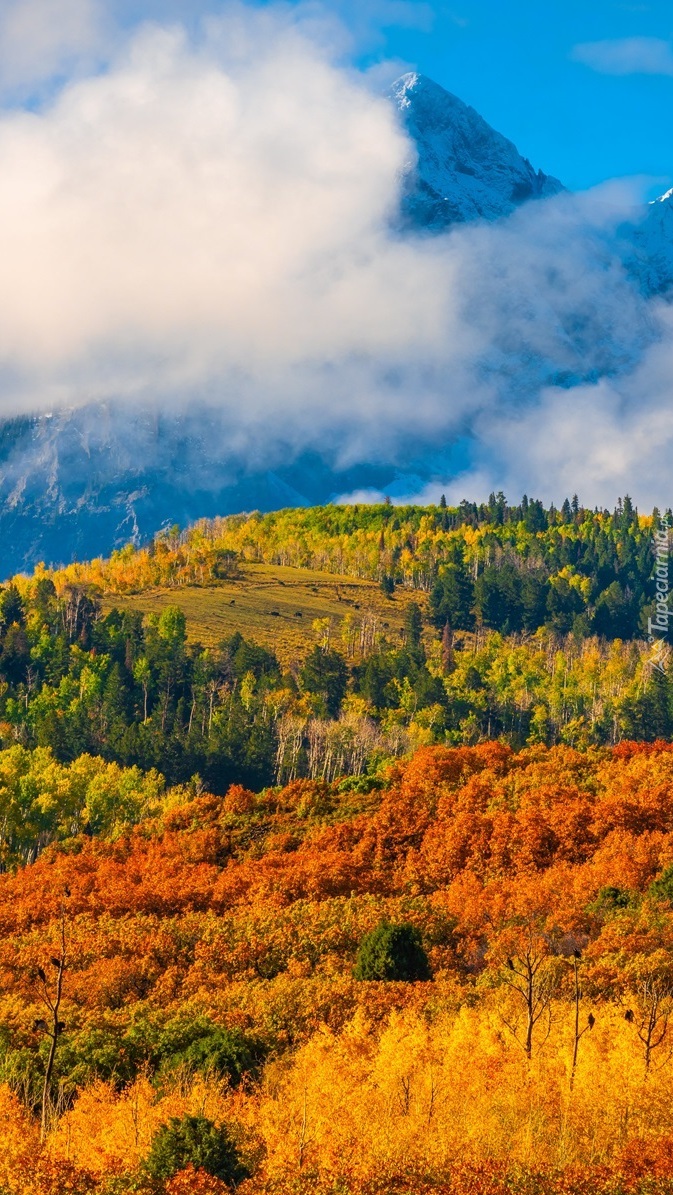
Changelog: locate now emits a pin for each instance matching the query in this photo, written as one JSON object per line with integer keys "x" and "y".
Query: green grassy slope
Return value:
{"x": 275, "y": 607}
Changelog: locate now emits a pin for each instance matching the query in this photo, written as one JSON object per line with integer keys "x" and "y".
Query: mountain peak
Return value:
{"x": 668, "y": 195}
{"x": 650, "y": 259}
{"x": 414, "y": 83}
{"x": 465, "y": 169}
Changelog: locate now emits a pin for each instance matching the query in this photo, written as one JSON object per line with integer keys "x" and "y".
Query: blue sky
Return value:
{"x": 514, "y": 62}
{"x": 517, "y": 64}
{"x": 583, "y": 87}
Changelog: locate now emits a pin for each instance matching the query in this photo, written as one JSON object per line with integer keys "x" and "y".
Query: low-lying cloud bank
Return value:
{"x": 209, "y": 218}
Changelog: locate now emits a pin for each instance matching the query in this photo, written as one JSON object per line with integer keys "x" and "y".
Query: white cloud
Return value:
{"x": 208, "y": 221}
{"x": 215, "y": 222}
{"x": 599, "y": 440}
{"x": 43, "y": 38}
{"x": 627, "y": 56}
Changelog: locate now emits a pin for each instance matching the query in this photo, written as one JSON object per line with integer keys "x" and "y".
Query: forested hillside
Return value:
{"x": 506, "y": 568}
{"x": 505, "y": 623}
{"x": 374, "y": 898}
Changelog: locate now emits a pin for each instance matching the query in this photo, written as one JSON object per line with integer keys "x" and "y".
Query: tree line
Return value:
{"x": 136, "y": 693}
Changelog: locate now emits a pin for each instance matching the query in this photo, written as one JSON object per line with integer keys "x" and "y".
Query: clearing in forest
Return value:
{"x": 276, "y": 606}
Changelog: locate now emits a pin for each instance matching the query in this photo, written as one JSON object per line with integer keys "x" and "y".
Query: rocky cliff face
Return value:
{"x": 78, "y": 483}
{"x": 649, "y": 247}
{"x": 464, "y": 170}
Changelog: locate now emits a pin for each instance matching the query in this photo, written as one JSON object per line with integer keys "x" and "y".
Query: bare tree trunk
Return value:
{"x": 56, "y": 1027}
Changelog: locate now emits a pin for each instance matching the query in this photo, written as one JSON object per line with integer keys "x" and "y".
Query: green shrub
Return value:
{"x": 392, "y": 952}
{"x": 195, "y": 1140}
{"x": 227, "y": 1052}
{"x": 662, "y": 887}
{"x": 611, "y": 900}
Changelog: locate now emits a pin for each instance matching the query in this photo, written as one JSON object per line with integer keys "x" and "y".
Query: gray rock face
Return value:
{"x": 649, "y": 256}
{"x": 78, "y": 483}
{"x": 465, "y": 170}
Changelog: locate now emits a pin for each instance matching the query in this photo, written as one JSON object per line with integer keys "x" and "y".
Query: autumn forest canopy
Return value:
{"x": 515, "y": 623}
{"x": 349, "y": 897}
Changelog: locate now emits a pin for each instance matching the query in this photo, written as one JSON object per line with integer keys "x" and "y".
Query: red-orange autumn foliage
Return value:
{"x": 195, "y": 1182}
{"x": 247, "y": 912}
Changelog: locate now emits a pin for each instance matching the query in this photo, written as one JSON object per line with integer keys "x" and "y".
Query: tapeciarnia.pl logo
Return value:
{"x": 657, "y": 627}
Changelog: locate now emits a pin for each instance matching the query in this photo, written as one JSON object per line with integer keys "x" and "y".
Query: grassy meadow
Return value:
{"x": 275, "y": 606}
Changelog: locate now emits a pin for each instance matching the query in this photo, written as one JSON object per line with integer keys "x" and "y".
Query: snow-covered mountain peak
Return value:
{"x": 403, "y": 86}
{"x": 662, "y": 198}
{"x": 650, "y": 239}
{"x": 465, "y": 170}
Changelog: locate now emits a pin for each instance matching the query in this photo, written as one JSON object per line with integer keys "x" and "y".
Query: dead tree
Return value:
{"x": 52, "y": 1027}
{"x": 655, "y": 1007}
{"x": 591, "y": 1020}
{"x": 534, "y": 977}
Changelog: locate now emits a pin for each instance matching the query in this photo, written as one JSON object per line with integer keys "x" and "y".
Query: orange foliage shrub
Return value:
{"x": 195, "y": 1182}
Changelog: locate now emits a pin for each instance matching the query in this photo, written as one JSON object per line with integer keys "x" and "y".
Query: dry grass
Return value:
{"x": 276, "y": 606}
